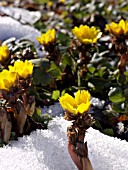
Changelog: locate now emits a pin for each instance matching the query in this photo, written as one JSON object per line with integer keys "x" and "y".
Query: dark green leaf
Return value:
{"x": 118, "y": 107}
{"x": 66, "y": 60}
{"x": 43, "y": 63}
{"x": 126, "y": 93}
{"x": 109, "y": 132}
{"x": 54, "y": 71}
{"x": 115, "y": 95}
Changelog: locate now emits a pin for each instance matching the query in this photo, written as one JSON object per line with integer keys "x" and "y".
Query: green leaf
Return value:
{"x": 122, "y": 78}
{"x": 37, "y": 75}
{"x": 115, "y": 95}
{"x": 63, "y": 92}
{"x": 102, "y": 71}
{"x": 126, "y": 93}
{"x": 66, "y": 60}
{"x": 41, "y": 77}
{"x": 98, "y": 125}
{"x": 43, "y": 63}
{"x": 126, "y": 74}
{"x": 39, "y": 117}
{"x": 109, "y": 132}
{"x": 118, "y": 107}
{"x": 44, "y": 72}
{"x": 40, "y": 1}
{"x": 38, "y": 111}
{"x": 55, "y": 94}
{"x": 99, "y": 83}
{"x": 91, "y": 69}
{"x": 64, "y": 39}
{"x": 46, "y": 79}
{"x": 55, "y": 71}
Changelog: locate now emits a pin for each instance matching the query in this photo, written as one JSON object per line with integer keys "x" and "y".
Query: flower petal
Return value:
{"x": 86, "y": 35}
{"x": 82, "y": 108}
{"x": 47, "y": 38}
{"x": 67, "y": 99}
{"x": 82, "y": 96}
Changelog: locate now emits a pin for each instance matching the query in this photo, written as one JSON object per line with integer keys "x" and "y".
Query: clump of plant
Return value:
{"x": 76, "y": 110}
{"x": 118, "y": 91}
{"x": 17, "y": 105}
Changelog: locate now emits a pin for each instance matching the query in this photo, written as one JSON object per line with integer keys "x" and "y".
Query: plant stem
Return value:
{"x": 86, "y": 164}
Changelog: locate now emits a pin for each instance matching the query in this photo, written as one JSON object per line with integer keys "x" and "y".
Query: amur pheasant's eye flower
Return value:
{"x": 126, "y": 29}
{"x": 118, "y": 29}
{"x": 86, "y": 35}
{"x": 22, "y": 68}
{"x": 7, "y": 79}
{"x": 47, "y": 38}
{"x": 50, "y": 3}
{"x": 78, "y": 105}
{"x": 4, "y": 53}
{"x": 62, "y": 1}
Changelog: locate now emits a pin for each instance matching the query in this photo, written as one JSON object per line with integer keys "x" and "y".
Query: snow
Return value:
{"x": 47, "y": 150}
{"x": 25, "y": 16}
{"x": 12, "y": 28}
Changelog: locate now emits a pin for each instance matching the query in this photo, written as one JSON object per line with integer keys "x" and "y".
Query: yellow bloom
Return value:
{"x": 4, "y": 53}
{"x": 47, "y": 38}
{"x": 22, "y": 68}
{"x": 118, "y": 29}
{"x": 62, "y": 1}
{"x": 7, "y": 79}
{"x": 50, "y": 3}
{"x": 126, "y": 28}
{"x": 80, "y": 104}
{"x": 86, "y": 35}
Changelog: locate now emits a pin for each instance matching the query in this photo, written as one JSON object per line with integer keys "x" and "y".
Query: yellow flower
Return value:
{"x": 7, "y": 79}
{"x": 50, "y": 3}
{"x": 4, "y": 53}
{"x": 126, "y": 28}
{"x": 62, "y": 1}
{"x": 118, "y": 29}
{"x": 47, "y": 38}
{"x": 80, "y": 104}
{"x": 86, "y": 35}
{"x": 22, "y": 68}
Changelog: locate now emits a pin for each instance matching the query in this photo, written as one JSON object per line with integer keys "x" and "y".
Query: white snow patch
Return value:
{"x": 47, "y": 150}
{"x": 25, "y": 16}
{"x": 12, "y": 28}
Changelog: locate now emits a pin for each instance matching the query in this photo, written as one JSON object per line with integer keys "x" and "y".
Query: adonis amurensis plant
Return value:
{"x": 17, "y": 106}
{"x": 85, "y": 40}
{"x": 119, "y": 33}
{"x": 4, "y": 55}
{"x": 48, "y": 41}
{"x": 76, "y": 110}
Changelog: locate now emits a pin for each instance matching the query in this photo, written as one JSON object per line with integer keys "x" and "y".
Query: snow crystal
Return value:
{"x": 25, "y": 16}
{"x": 47, "y": 150}
{"x": 12, "y": 28}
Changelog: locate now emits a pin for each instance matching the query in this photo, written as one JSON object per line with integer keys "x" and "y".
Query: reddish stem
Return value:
{"x": 122, "y": 63}
{"x": 74, "y": 156}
